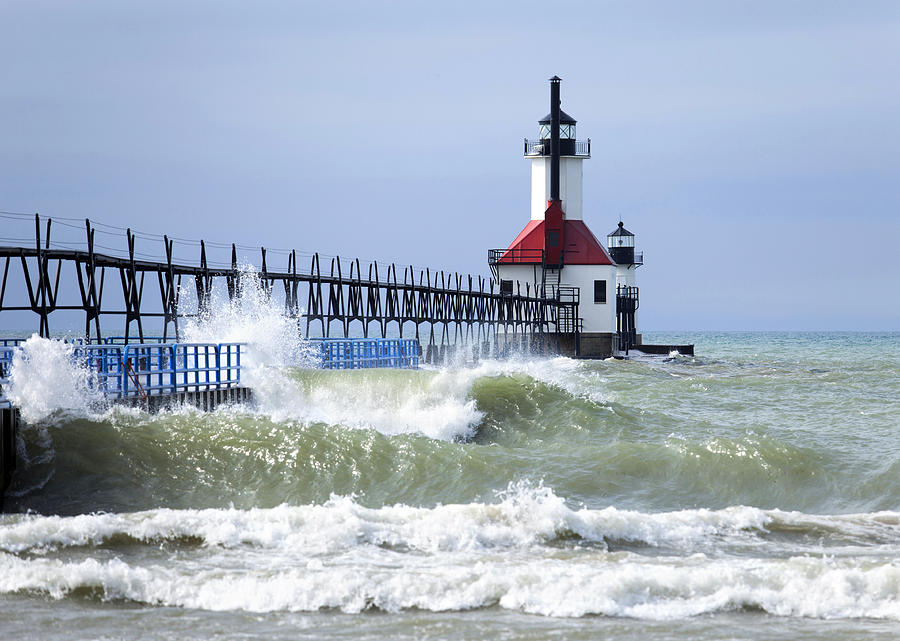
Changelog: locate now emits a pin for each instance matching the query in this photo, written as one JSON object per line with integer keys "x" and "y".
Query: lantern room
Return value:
{"x": 621, "y": 245}
{"x": 566, "y": 134}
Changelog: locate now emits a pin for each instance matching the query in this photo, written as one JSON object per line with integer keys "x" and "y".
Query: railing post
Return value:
{"x": 123, "y": 370}
{"x": 173, "y": 364}
{"x": 108, "y": 355}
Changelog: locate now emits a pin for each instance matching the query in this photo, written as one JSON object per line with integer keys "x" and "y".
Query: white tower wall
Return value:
{"x": 598, "y": 317}
{"x": 570, "y": 186}
{"x": 523, "y": 274}
{"x": 626, "y": 275}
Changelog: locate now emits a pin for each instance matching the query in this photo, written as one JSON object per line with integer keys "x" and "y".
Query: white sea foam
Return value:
{"x": 573, "y": 376}
{"x": 524, "y": 516}
{"x": 346, "y": 556}
{"x": 622, "y": 584}
{"x": 437, "y": 402}
{"x": 437, "y": 405}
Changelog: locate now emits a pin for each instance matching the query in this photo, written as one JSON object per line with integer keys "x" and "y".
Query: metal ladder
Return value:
{"x": 550, "y": 281}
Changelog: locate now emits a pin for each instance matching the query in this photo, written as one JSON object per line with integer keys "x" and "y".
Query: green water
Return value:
{"x": 750, "y": 492}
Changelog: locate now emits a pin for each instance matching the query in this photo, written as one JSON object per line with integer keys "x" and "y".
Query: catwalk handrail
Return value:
{"x": 470, "y": 308}
{"x": 105, "y": 260}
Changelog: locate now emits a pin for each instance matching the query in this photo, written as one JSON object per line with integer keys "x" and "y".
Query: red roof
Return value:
{"x": 581, "y": 246}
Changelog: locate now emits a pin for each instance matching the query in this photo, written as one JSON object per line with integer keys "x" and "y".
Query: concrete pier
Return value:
{"x": 665, "y": 350}
{"x": 206, "y": 400}
{"x": 9, "y": 427}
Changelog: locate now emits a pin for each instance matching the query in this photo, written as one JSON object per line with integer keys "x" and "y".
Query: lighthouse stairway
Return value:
{"x": 550, "y": 281}
{"x": 569, "y": 322}
{"x": 627, "y": 303}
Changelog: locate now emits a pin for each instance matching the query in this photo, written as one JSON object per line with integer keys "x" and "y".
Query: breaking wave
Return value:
{"x": 515, "y": 553}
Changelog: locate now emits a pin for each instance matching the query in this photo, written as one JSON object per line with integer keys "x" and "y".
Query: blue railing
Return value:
{"x": 156, "y": 369}
{"x": 150, "y": 369}
{"x": 364, "y": 353}
{"x": 106, "y": 364}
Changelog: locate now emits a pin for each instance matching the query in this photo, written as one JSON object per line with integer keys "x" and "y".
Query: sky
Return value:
{"x": 752, "y": 147}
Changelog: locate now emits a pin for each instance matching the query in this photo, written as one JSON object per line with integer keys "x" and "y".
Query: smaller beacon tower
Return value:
{"x": 620, "y": 242}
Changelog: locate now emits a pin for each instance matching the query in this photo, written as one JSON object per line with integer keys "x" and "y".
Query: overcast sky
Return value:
{"x": 752, "y": 147}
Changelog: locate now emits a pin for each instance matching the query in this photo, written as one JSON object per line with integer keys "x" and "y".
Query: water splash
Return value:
{"x": 252, "y": 317}
{"x": 45, "y": 381}
{"x": 272, "y": 337}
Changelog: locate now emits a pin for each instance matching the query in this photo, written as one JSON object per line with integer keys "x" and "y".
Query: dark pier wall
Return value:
{"x": 206, "y": 400}
{"x": 9, "y": 425}
{"x": 664, "y": 350}
{"x": 589, "y": 345}
{"x": 594, "y": 345}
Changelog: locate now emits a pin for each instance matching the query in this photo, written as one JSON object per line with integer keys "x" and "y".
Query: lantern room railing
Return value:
{"x": 582, "y": 148}
{"x": 615, "y": 253}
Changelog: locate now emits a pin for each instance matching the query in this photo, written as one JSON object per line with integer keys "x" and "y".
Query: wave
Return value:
{"x": 528, "y": 551}
{"x": 647, "y": 589}
{"x": 643, "y": 435}
{"x": 420, "y": 438}
{"x": 524, "y": 515}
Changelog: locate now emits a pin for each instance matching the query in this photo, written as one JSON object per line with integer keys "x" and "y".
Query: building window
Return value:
{"x": 599, "y": 291}
{"x": 506, "y": 287}
{"x": 553, "y": 238}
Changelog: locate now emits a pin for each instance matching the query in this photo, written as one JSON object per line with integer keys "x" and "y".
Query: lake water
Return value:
{"x": 749, "y": 492}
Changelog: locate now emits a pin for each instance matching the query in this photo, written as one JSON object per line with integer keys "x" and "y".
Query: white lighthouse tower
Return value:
{"x": 556, "y": 251}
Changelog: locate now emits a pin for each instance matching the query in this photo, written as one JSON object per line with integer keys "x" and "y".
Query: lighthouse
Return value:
{"x": 557, "y": 254}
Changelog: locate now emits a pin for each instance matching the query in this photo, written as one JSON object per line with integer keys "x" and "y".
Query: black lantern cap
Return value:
{"x": 621, "y": 231}
{"x": 564, "y": 119}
